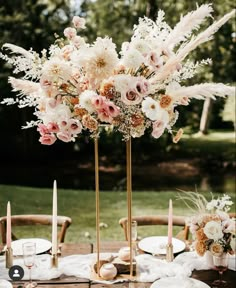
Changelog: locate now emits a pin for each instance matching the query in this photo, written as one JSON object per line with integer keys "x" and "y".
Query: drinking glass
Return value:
{"x": 29, "y": 252}
{"x": 221, "y": 265}
{"x": 134, "y": 232}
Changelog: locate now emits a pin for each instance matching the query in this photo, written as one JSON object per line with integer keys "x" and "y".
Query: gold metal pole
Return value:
{"x": 97, "y": 204}
{"x": 129, "y": 200}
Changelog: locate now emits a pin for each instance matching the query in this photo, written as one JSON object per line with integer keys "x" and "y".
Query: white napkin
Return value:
{"x": 191, "y": 260}
{"x": 82, "y": 266}
{"x": 150, "y": 268}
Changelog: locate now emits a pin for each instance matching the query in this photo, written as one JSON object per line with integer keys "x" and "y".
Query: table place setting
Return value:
{"x": 149, "y": 268}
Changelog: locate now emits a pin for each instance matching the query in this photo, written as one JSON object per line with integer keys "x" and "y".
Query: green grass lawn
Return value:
{"x": 80, "y": 206}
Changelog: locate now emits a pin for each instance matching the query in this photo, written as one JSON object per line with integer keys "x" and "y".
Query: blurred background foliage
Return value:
{"x": 34, "y": 23}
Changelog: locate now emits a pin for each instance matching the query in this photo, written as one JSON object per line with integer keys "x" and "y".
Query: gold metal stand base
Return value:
{"x": 9, "y": 257}
{"x": 169, "y": 253}
{"x": 54, "y": 261}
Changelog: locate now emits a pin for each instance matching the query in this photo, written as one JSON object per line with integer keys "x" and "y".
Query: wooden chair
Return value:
{"x": 30, "y": 220}
{"x": 157, "y": 220}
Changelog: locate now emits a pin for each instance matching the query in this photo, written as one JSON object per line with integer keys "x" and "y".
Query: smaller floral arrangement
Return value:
{"x": 212, "y": 228}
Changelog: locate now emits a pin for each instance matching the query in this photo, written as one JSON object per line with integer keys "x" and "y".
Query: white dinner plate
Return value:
{"x": 157, "y": 245}
{"x": 42, "y": 245}
{"x": 5, "y": 284}
{"x": 176, "y": 282}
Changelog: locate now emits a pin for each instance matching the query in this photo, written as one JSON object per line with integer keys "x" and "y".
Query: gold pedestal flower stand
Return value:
{"x": 129, "y": 202}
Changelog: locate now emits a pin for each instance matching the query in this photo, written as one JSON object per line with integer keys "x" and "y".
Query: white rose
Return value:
{"x": 213, "y": 230}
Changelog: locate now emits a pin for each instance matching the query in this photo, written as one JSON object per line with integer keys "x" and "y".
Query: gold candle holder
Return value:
{"x": 54, "y": 261}
{"x": 9, "y": 257}
{"x": 169, "y": 253}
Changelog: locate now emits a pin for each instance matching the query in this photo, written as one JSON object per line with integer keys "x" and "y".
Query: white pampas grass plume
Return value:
{"x": 174, "y": 61}
{"x": 26, "y": 87}
{"x": 202, "y": 91}
{"x": 187, "y": 24}
{"x": 203, "y": 36}
{"x": 18, "y": 50}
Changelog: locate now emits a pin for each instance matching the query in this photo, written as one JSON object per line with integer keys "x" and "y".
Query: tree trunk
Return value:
{"x": 151, "y": 9}
{"x": 205, "y": 118}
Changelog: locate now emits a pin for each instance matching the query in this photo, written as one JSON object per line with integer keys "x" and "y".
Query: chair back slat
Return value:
{"x": 157, "y": 220}
{"x": 34, "y": 219}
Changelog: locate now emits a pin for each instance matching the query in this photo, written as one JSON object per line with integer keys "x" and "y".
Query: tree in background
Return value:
{"x": 27, "y": 23}
{"x": 228, "y": 113}
{"x": 33, "y": 23}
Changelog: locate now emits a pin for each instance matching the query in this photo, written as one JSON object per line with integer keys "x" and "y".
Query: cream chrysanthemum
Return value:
{"x": 102, "y": 59}
{"x": 85, "y": 100}
{"x": 56, "y": 70}
{"x": 133, "y": 59}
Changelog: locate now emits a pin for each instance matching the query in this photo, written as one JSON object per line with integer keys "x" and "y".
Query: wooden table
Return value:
{"x": 206, "y": 276}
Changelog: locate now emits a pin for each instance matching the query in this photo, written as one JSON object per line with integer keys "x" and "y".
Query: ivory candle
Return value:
{"x": 54, "y": 219}
{"x": 170, "y": 222}
{"x": 8, "y": 240}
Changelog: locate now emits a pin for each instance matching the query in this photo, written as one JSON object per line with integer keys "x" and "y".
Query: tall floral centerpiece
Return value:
{"x": 75, "y": 85}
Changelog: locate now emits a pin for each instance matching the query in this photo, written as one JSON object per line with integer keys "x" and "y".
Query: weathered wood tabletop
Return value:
{"x": 206, "y": 276}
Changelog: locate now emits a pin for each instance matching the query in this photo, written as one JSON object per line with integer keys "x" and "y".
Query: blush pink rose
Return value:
{"x": 98, "y": 102}
{"x": 158, "y": 129}
{"x": 113, "y": 110}
{"x": 53, "y": 127}
{"x": 47, "y": 139}
{"x": 70, "y": 33}
{"x": 131, "y": 97}
{"x": 42, "y": 129}
{"x": 75, "y": 127}
{"x": 78, "y": 22}
{"x": 142, "y": 86}
{"x": 104, "y": 115}
{"x": 64, "y": 136}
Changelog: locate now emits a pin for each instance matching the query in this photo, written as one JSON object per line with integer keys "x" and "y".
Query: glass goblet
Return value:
{"x": 134, "y": 235}
{"x": 221, "y": 265}
{"x": 29, "y": 253}
{"x": 134, "y": 232}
